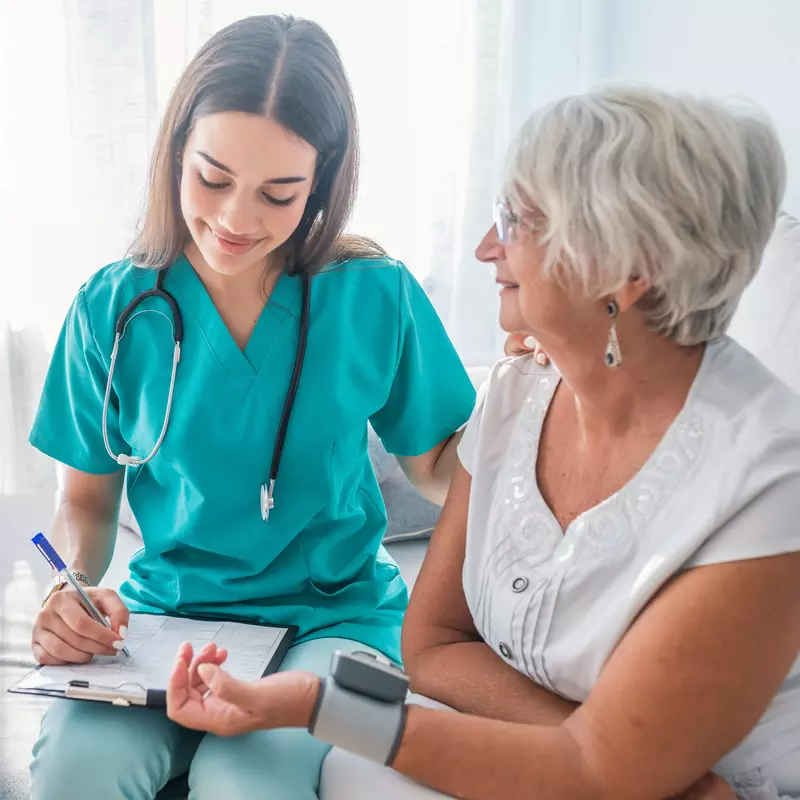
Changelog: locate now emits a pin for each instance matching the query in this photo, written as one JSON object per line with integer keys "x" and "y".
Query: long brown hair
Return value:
{"x": 288, "y": 70}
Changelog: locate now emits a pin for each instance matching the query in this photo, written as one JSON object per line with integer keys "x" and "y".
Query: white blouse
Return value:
{"x": 722, "y": 485}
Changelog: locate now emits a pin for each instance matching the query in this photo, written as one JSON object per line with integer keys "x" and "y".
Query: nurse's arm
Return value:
{"x": 431, "y": 472}
{"x": 86, "y": 522}
{"x": 690, "y": 679}
{"x": 443, "y": 653}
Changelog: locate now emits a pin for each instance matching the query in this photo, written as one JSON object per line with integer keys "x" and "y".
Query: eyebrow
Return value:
{"x": 280, "y": 181}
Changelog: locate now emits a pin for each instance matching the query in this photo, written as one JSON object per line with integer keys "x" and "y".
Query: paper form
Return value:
{"x": 153, "y": 642}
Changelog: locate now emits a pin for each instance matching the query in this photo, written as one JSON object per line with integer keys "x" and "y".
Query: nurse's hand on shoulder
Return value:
{"x": 520, "y": 344}
{"x": 65, "y": 634}
{"x": 204, "y": 697}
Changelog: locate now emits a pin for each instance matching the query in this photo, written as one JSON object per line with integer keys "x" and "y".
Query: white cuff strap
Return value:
{"x": 357, "y": 723}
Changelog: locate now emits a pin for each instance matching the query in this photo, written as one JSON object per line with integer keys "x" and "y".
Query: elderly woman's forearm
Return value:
{"x": 481, "y": 759}
{"x": 469, "y": 677}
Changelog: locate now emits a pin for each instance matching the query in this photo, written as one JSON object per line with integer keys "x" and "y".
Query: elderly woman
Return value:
{"x": 611, "y": 596}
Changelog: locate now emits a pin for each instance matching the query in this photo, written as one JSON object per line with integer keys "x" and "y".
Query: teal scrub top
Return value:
{"x": 377, "y": 352}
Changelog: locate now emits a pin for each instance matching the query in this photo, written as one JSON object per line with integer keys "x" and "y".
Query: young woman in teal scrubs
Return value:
{"x": 252, "y": 181}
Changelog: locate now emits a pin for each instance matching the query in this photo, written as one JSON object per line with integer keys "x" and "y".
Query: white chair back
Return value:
{"x": 767, "y": 321}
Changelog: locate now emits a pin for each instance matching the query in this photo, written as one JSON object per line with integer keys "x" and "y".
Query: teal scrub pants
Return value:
{"x": 94, "y": 751}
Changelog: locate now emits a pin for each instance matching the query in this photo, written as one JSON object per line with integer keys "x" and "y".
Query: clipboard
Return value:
{"x": 254, "y": 650}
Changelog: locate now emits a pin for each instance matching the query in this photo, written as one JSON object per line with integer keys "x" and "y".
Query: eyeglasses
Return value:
{"x": 505, "y": 220}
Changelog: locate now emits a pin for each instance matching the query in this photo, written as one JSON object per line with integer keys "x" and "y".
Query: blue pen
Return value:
{"x": 48, "y": 551}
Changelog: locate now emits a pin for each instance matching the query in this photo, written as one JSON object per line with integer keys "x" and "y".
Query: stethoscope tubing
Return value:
{"x": 125, "y": 318}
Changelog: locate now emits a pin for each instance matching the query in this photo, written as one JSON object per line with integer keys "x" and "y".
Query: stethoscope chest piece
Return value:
{"x": 267, "y": 502}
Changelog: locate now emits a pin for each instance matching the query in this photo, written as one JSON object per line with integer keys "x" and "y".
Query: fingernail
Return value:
{"x": 204, "y": 671}
{"x": 123, "y": 631}
{"x": 529, "y": 342}
{"x": 118, "y": 645}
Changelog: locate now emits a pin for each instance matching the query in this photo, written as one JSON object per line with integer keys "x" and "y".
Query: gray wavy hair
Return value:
{"x": 638, "y": 182}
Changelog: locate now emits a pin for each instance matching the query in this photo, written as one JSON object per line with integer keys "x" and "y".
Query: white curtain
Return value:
{"x": 440, "y": 86}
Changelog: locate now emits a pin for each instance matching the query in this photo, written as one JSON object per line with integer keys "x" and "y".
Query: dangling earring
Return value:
{"x": 613, "y": 357}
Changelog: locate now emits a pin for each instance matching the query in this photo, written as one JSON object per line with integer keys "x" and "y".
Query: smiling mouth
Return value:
{"x": 505, "y": 285}
{"x": 234, "y": 246}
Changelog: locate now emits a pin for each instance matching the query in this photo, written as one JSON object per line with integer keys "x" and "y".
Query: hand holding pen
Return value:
{"x": 76, "y": 625}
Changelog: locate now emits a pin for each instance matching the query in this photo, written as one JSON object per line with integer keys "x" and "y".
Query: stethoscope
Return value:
{"x": 125, "y": 318}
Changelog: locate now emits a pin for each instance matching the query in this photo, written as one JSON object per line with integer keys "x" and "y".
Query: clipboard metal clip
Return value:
{"x": 119, "y": 695}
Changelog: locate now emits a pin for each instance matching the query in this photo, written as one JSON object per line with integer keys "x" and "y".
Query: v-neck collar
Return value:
{"x": 241, "y": 366}
{"x": 680, "y": 421}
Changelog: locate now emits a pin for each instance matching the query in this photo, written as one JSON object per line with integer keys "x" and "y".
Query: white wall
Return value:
{"x": 747, "y": 48}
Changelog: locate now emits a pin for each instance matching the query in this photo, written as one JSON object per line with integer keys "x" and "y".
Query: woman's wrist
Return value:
{"x": 302, "y": 709}
{"x": 81, "y": 577}
{"x": 59, "y": 582}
